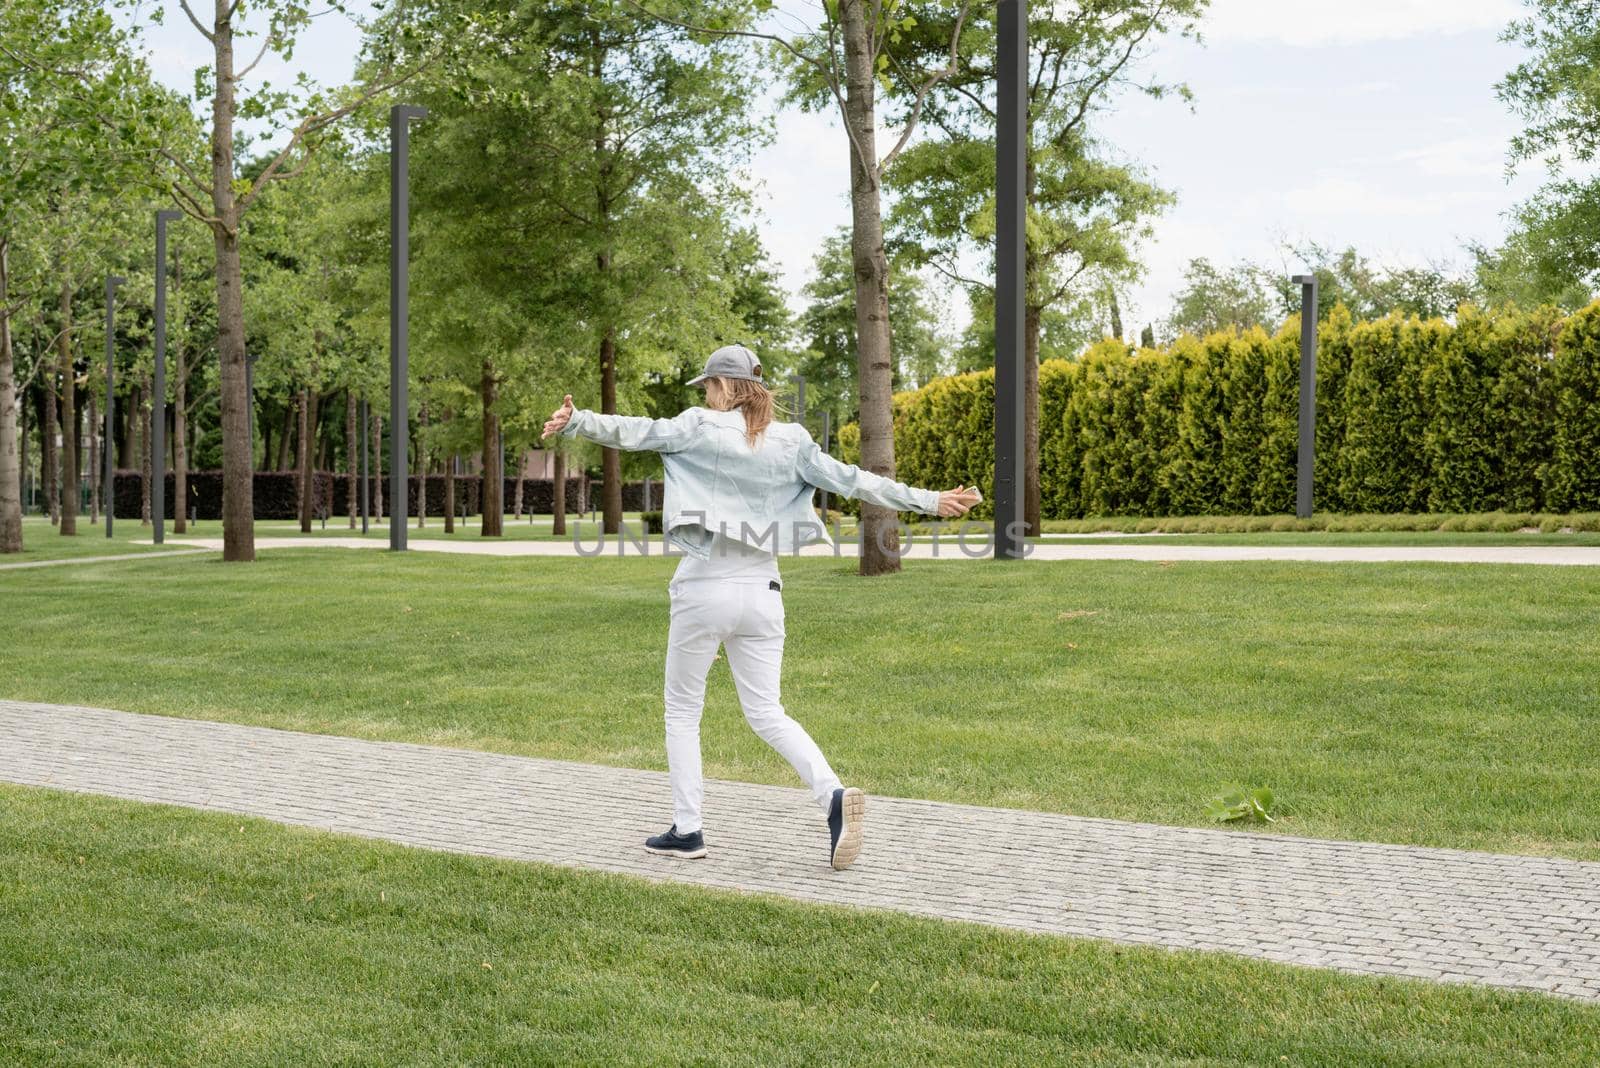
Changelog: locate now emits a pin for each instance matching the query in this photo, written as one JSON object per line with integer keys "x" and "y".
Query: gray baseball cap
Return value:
{"x": 730, "y": 361}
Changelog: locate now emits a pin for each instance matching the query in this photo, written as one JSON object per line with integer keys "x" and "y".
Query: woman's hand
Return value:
{"x": 558, "y": 419}
{"x": 955, "y": 502}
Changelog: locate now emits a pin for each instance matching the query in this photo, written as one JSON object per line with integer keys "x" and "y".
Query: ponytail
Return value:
{"x": 752, "y": 398}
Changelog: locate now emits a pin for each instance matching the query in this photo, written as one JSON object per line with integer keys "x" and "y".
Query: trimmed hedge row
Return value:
{"x": 277, "y": 494}
{"x": 1496, "y": 411}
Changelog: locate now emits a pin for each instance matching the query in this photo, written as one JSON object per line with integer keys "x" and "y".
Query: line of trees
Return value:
{"x": 581, "y": 225}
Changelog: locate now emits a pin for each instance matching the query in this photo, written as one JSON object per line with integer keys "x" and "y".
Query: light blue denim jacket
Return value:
{"x": 717, "y": 483}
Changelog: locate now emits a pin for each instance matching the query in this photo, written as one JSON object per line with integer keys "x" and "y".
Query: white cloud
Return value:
{"x": 1345, "y": 197}
{"x": 1308, "y": 23}
{"x": 1462, "y": 157}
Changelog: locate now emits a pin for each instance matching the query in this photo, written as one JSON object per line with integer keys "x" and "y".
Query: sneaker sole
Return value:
{"x": 854, "y": 804}
{"x": 681, "y": 854}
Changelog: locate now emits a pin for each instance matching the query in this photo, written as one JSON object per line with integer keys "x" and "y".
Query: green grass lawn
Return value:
{"x": 1449, "y": 705}
{"x": 139, "y": 934}
{"x": 43, "y": 542}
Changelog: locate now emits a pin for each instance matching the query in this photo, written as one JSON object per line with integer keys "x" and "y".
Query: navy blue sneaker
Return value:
{"x": 846, "y": 826}
{"x": 672, "y": 844}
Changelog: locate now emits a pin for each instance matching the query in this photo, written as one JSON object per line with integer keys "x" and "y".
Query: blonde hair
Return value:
{"x": 752, "y": 398}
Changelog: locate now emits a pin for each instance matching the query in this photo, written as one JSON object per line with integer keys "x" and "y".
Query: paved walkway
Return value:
{"x": 104, "y": 559}
{"x": 1442, "y": 914}
{"x": 949, "y": 549}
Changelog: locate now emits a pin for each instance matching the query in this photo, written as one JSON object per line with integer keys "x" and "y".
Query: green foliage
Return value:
{"x": 1574, "y": 474}
{"x": 1215, "y": 298}
{"x": 1384, "y": 468}
{"x": 828, "y": 331}
{"x": 1552, "y": 253}
{"x": 1500, "y": 410}
{"x": 1240, "y": 804}
{"x": 577, "y": 206}
{"x": 1087, "y": 206}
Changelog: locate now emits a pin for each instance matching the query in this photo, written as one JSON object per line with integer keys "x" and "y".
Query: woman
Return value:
{"x": 739, "y": 487}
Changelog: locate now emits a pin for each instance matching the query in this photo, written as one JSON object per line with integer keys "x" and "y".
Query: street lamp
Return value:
{"x": 158, "y": 417}
{"x": 1011, "y": 146}
{"x": 112, "y": 282}
{"x": 400, "y": 118}
{"x": 1308, "y": 394}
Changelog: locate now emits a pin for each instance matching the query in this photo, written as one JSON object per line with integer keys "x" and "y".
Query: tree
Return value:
{"x": 66, "y": 69}
{"x": 828, "y": 330}
{"x": 593, "y": 212}
{"x": 1554, "y": 91}
{"x": 844, "y": 63}
{"x": 222, "y": 200}
{"x": 1370, "y": 291}
{"x": 1085, "y": 210}
{"x": 1216, "y": 298}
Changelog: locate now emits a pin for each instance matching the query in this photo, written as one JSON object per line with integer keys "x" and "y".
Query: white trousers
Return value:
{"x": 745, "y": 617}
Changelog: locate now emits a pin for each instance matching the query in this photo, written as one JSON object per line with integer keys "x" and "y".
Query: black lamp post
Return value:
{"x": 1308, "y": 394}
{"x": 366, "y": 487}
{"x": 1011, "y": 145}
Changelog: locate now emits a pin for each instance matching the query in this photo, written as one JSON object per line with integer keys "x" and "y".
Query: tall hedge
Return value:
{"x": 1496, "y": 410}
{"x": 1573, "y": 477}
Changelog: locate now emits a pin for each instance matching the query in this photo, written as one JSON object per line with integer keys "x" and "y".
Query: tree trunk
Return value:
{"x": 610, "y": 459}
{"x": 422, "y": 468}
{"x": 377, "y": 466}
{"x": 522, "y": 470}
{"x": 307, "y": 442}
{"x": 180, "y": 443}
{"x": 352, "y": 457}
{"x": 128, "y": 447}
{"x": 880, "y": 535}
{"x": 180, "y": 419}
{"x": 558, "y": 494}
{"x": 238, "y": 478}
{"x": 94, "y": 464}
{"x": 1030, "y": 421}
{"x": 1032, "y": 324}
{"x": 493, "y": 477}
{"x": 285, "y": 435}
{"x": 321, "y": 439}
{"x": 48, "y": 450}
{"x": 23, "y": 430}
{"x": 144, "y": 449}
{"x": 10, "y": 462}
{"x": 450, "y": 495}
{"x": 69, "y": 415}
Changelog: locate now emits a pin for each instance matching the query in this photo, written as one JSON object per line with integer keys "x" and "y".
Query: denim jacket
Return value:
{"x": 717, "y": 483}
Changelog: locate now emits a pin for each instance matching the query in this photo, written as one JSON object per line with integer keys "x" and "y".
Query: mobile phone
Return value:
{"x": 975, "y": 490}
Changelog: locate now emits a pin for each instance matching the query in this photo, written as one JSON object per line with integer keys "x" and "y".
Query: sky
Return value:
{"x": 1371, "y": 123}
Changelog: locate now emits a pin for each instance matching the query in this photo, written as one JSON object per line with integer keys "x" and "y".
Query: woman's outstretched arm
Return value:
{"x": 849, "y": 480}
{"x": 632, "y": 432}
